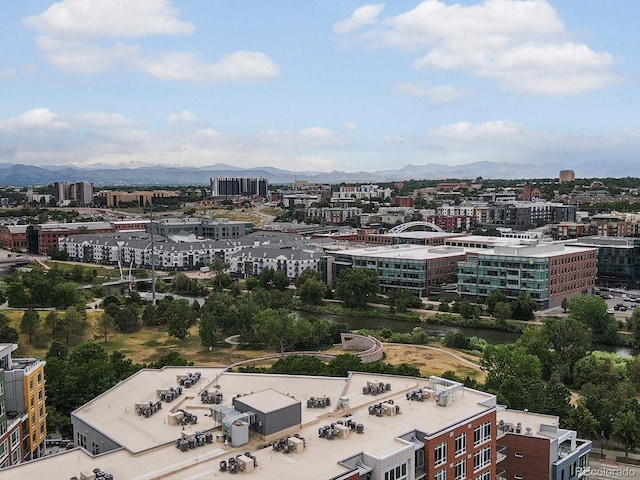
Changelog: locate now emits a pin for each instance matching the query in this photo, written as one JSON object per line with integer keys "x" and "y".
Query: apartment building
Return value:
{"x": 362, "y": 192}
{"x": 217, "y": 229}
{"x": 40, "y": 238}
{"x": 239, "y": 186}
{"x": 292, "y": 259}
{"x": 363, "y": 426}
{"x": 79, "y": 192}
{"x": 134, "y": 249}
{"x": 23, "y": 427}
{"x": 547, "y": 272}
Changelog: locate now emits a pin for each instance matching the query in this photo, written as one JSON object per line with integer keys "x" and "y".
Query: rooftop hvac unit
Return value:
{"x": 296, "y": 444}
{"x": 442, "y": 399}
{"x": 245, "y": 464}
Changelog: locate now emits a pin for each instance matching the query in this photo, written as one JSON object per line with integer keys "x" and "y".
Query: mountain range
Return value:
{"x": 144, "y": 174}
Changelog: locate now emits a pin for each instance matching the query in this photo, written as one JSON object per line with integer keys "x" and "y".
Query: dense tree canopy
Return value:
{"x": 357, "y": 286}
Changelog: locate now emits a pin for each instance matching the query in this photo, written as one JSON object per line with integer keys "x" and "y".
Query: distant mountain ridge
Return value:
{"x": 141, "y": 174}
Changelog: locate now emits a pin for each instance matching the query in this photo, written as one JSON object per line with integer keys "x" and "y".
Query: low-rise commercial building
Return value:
{"x": 618, "y": 260}
{"x": 408, "y": 267}
{"x": 547, "y": 272}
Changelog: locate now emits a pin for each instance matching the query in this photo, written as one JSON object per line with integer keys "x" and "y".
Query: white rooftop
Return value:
{"x": 149, "y": 443}
{"x": 413, "y": 252}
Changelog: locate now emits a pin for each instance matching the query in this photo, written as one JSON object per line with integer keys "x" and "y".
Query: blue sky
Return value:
{"x": 318, "y": 85}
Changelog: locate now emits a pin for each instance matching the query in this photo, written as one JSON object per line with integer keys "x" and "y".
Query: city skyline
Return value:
{"x": 343, "y": 86}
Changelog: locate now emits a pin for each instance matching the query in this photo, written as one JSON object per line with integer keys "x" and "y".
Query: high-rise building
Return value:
{"x": 239, "y": 186}
{"x": 23, "y": 427}
{"x": 567, "y": 176}
{"x": 79, "y": 192}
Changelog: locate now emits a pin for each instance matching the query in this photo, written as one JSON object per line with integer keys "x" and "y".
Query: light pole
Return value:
{"x": 602, "y": 444}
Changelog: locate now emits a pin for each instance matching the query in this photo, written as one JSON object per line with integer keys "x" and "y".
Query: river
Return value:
{"x": 403, "y": 326}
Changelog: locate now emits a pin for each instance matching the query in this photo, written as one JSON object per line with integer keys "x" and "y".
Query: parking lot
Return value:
{"x": 621, "y": 303}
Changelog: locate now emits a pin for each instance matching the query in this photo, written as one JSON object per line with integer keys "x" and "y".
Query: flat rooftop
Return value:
{"x": 527, "y": 420}
{"x": 149, "y": 450}
{"x": 412, "y": 252}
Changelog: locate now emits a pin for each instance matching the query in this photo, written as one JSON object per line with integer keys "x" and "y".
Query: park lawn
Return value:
{"x": 150, "y": 343}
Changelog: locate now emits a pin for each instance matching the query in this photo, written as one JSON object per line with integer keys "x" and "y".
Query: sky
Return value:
{"x": 318, "y": 85}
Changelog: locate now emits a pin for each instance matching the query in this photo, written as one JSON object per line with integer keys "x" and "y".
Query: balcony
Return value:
{"x": 501, "y": 474}
{"x": 501, "y": 453}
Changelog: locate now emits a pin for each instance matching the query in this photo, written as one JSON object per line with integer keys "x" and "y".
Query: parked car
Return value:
{"x": 611, "y": 310}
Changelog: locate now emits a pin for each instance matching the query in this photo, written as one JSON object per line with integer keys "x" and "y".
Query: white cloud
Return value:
{"x": 90, "y": 36}
{"x": 7, "y": 72}
{"x": 436, "y": 94}
{"x": 313, "y": 137}
{"x": 360, "y": 18}
{"x": 236, "y": 67}
{"x": 90, "y": 19}
{"x": 38, "y": 120}
{"x": 524, "y": 45}
{"x": 349, "y": 127}
{"x": 184, "y": 117}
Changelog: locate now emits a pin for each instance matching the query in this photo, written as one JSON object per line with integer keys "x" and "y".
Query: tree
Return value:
{"x": 523, "y": 307}
{"x": 67, "y": 294}
{"x": 30, "y": 322}
{"x": 626, "y": 430}
{"x": 103, "y": 325}
{"x": 502, "y": 312}
{"x": 514, "y": 374}
{"x": 276, "y": 328}
{"x": 495, "y": 297}
{"x": 559, "y": 344}
{"x": 299, "y": 365}
{"x": 312, "y": 291}
{"x": 341, "y": 365}
{"x": 357, "y": 286}
{"x": 591, "y": 310}
{"x": 467, "y": 310}
{"x": 582, "y": 421}
{"x": 52, "y": 321}
{"x": 179, "y": 318}
{"x": 9, "y": 334}
{"x": 307, "y": 274}
{"x": 72, "y": 325}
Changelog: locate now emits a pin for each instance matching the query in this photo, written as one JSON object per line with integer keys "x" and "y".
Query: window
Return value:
{"x": 39, "y": 396}
{"x": 3, "y": 449}
{"x": 484, "y": 476}
{"x": 461, "y": 470}
{"x": 441, "y": 475}
{"x": 1, "y": 408}
{"x": 15, "y": 438}
{"x": 82, "y": 441}
{"x": 461, "y": 444}
{"x": 95, "y": 448}
{"x": 31, "y": 384}
{"x": 482, "y": 434}
{"x": 39, "y": 378}
{"x": 481, "y": 458}
{"x": 1, "y": 387}
{"x": 440, "y": 457}
{"x": 397, "y": 473}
